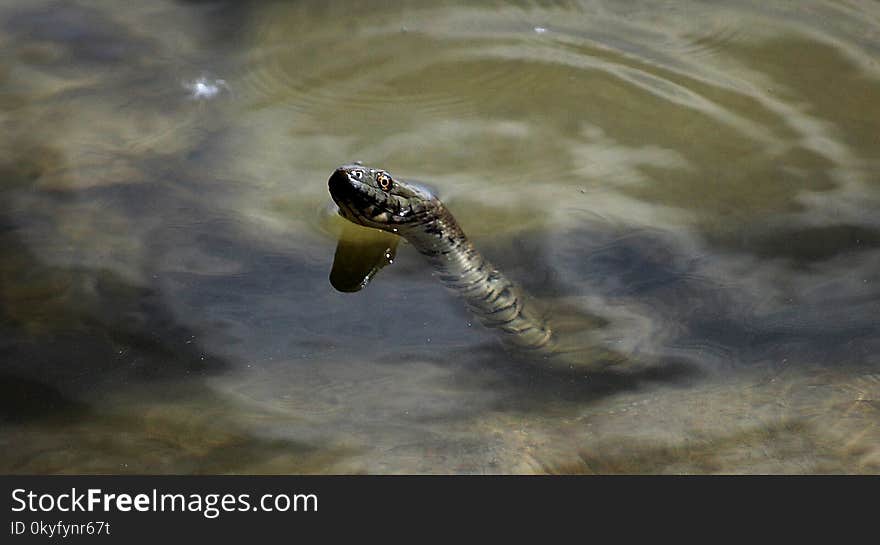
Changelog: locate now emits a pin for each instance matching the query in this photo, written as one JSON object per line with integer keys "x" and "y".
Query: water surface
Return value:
{"x": 691, "y": 185}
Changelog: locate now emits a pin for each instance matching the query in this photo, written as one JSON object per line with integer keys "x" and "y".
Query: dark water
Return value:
{"x": 691, "y": 185}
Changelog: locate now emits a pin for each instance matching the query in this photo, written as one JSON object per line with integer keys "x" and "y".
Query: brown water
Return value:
{"x": 693, "y": 183}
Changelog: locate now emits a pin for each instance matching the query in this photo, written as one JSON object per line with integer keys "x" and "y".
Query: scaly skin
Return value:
{"x": 373, "y": 198}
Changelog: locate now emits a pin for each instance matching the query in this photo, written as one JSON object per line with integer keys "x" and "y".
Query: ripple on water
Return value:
{"x": 681, "y": 118}
{"x": 717, "y": 34}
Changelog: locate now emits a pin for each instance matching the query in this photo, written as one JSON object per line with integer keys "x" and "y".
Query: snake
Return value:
{"x": 373, "y": 197}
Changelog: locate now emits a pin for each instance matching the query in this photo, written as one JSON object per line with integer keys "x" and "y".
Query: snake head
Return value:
{"x": 372, "y": 197}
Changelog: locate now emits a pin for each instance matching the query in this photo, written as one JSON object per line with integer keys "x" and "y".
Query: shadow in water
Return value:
{"x": 808, "y": 245}
{"x": 24, "y": 400}
{"x": 98, "y": 376}
{"x": 693, "y": 322}
{"x": 519, "y": 383}
{"x": 86, "y": 34}
{"x": 581, "y": 369}
{"x": 76, "y": 327}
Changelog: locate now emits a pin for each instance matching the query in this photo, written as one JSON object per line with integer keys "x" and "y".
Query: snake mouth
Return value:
{"x": 341, "y": 185}
{"x": 357, "y": 202}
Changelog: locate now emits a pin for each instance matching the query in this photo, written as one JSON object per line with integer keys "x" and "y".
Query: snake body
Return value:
{"x": 374, "y": 198}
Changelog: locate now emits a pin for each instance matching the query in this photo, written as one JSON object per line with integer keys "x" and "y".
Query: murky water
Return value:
{"x": 693, "y": 183}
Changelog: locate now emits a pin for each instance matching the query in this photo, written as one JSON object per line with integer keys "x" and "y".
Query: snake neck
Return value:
{"x": 494, "y": 299}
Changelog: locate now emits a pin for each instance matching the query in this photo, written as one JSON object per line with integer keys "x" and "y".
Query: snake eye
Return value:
{"x": 384, "y": 181}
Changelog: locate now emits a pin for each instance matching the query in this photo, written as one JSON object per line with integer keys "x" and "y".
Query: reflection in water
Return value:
{"x": 360, "y": 254}
{"x": 690, "y": 187}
